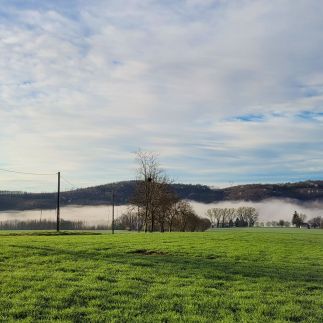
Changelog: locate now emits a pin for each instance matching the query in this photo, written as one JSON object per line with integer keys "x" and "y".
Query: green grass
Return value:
{"x": 246, "y": 275}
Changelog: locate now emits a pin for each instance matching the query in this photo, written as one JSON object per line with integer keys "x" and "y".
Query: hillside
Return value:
{"x": 302, "y": 191}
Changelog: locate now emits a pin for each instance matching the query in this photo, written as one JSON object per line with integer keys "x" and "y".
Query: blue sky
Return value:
{"x": 226, "y": 91}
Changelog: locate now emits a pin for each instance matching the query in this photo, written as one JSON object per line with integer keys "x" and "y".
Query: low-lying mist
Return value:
{"x": 269, "y": 210}
{"x": 91, "y": 215}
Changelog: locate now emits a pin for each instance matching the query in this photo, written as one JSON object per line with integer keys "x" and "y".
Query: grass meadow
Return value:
{"x": 229, "y": 275}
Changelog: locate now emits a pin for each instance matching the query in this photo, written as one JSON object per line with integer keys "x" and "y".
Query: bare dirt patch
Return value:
{"x": 146, "y": 252}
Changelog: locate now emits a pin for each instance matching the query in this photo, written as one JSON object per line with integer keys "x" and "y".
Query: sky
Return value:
{"x": 225, "y": 91}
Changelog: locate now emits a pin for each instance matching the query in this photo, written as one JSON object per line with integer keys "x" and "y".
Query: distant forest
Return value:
{"x": 102, "y": 194}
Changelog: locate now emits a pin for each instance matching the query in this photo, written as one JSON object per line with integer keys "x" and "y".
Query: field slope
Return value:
{"x": 238, "y": 275}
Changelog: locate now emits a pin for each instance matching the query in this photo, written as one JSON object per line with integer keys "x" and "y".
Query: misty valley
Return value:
{"x": 100, "y": 216}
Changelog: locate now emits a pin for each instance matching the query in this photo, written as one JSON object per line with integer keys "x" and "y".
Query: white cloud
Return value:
{"x": 85, "y": 84}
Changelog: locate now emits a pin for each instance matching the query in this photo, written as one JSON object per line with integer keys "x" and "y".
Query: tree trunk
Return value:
{"x": 146, "y": 226}
{"x": 152, "y": 222}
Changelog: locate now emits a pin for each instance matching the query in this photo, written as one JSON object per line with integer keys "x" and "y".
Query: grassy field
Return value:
{"x": 246, "y": 275}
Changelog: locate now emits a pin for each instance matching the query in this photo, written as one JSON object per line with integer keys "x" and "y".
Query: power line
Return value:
{"x": 26, "y": 173}
{"x": 39, "y": 174}
{"x": 68, "y": 182}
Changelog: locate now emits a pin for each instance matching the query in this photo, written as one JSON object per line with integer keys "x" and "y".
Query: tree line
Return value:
{"x": 298, "y": 221}
{"x": 154, "y": 205}
{"x": 242, "y": 216}
{"x": 180, "y": 216}
{"x": 48, "y": 225}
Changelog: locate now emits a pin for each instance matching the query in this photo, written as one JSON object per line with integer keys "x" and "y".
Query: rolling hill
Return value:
{"x": 98, "y": 195}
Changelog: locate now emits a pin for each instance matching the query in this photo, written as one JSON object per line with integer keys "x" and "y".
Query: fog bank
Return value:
{"x": 269, "y": 210}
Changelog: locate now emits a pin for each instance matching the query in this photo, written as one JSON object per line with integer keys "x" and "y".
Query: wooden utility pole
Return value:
{"x": 58, "y": 207}
{"x": 112, "y": 225}
{"x": 138, "y": 219}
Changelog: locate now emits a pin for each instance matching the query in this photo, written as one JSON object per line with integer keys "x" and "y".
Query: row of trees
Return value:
{"x": 179, "y": 217}
{"x": 299, "y": 220}
{"x": 229, "y": 217}
{"x": 47, "y": 225}
{"x": 155, "y": 206}
{"x": 316, "y": 222}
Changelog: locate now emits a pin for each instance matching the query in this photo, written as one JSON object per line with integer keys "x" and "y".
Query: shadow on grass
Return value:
{"x": 188, "y": 266}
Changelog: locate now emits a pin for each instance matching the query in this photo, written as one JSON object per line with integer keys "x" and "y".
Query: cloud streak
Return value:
{"x": 226, "y": 91}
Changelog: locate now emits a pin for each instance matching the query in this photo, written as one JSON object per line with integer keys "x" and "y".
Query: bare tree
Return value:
{"x": 184, "y": 211}
{"x": 316, "y": 222}
{"x": 242, "y": 215}
{"x": 172, "y": 216}
{"x": 156, "y": 203}
{"x": 153, "y": 195}
{"x": 251, "y": 215}
{"x": 167, "y": 200}
{"x": 217, "y": 214}
{"x": 227, "y": 216}
{"x": 129, "y": 220}
{"x": 209, "y": 214}
{"x": 231, "y": 213}
{"x": 148, "y": 175}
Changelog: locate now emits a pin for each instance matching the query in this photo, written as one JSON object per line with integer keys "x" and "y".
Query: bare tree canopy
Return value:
{"x": 157, "y": 204}
{"x": 229, "y": 217}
